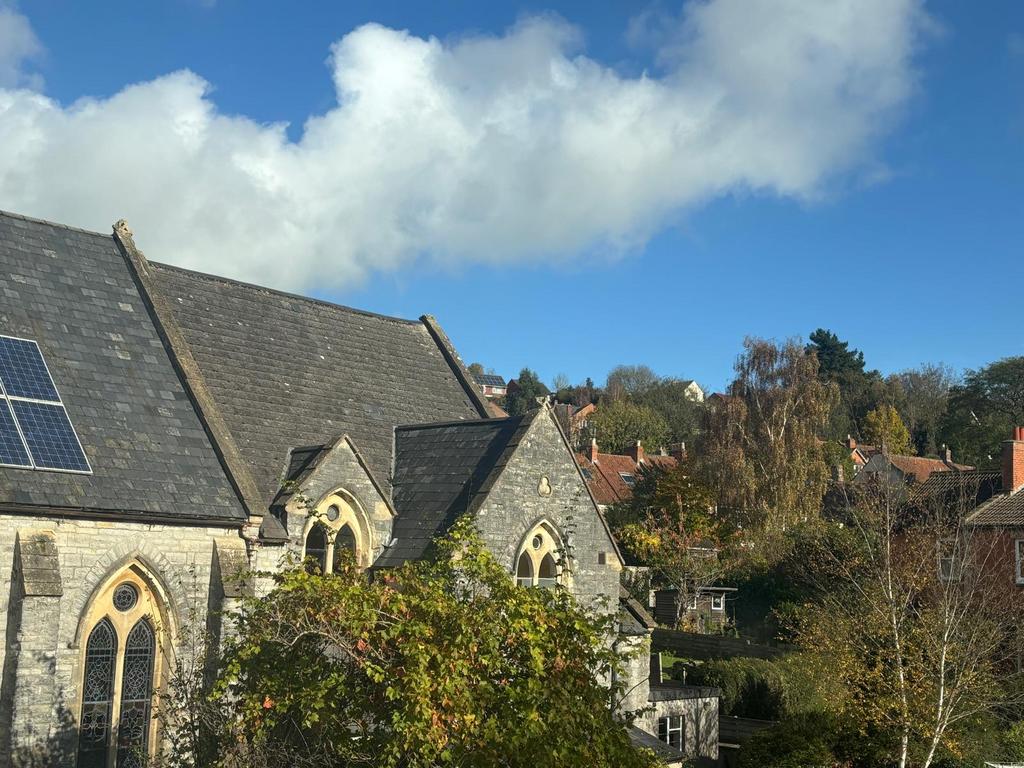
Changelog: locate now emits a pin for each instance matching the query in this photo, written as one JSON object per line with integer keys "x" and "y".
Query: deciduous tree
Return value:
{"x": 619, "y": 424}
{"x": 884, "y": 427}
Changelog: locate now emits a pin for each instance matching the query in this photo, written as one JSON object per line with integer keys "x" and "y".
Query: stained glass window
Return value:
{"x": 136, "y": 696}
{"x": 97, "y": 696}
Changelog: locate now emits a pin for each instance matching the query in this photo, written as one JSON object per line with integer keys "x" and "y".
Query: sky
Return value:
{"x": 566, "y": 186}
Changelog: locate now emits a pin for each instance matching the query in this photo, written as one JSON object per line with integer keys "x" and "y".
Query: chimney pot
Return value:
{"x": 593, "y": 450}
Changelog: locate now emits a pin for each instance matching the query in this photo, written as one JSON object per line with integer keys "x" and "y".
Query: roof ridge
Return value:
{"x": 455, "y": 423}
{"x": 278, "y": 292}
{"x": 49, "y": 223}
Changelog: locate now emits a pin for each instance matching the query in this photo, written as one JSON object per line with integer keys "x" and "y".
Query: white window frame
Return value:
{"x": 946, "y": 553}
{"x": 693, "y": 601}
{"x": 674, "y": 724}
{"x": 717, "y": 601}
{"x": 1018, "y": 548}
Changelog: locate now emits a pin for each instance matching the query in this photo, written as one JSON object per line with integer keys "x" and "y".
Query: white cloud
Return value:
{"x": 18, "y": 45}
{"x": 487, "y": 149}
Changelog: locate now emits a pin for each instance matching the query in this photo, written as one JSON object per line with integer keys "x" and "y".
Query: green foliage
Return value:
{"x": 983, "y": 410}
{"x": 814, "y": 739}
{"x": 883, "y": 426}
{"x": 859, "y": 390}
{"x": 683, "y": 415}
{"x": 618, "y": 424}
{"x": 629, "y": 381}
{"x": 445, "y": 662}
{"x": 523, "y": 397}
{"x": 922, "y": 396}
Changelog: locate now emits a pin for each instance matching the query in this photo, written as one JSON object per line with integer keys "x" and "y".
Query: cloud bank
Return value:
{"x": 488, "y": 149}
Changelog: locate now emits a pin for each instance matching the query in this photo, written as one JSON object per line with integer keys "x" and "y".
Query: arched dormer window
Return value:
{"x": 122, "y": 664}
{"x": 336, "y": 526}
{"x": 538, "y": 563}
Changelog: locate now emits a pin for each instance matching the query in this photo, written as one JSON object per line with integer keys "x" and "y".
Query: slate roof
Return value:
{"x": 287, "y": 371}
{"x": 667, "y": 755}
{"x": 73, "y": 292}
{"x": 1005, "y": 509}
{"x": 440, "y": 470}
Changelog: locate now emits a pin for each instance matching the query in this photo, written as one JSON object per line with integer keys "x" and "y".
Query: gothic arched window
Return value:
{"x": 120, "y": 672}
{"x": 316, "y": 547}
{"x": 136, "y": 695}
{"x": 336, "y": 526}
{"x": 539, "y": 562}
{"x": 97, "y": 696}
{"x": 344, "y": 542}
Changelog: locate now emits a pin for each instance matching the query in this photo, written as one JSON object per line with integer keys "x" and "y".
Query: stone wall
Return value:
{"x": 699, "y": 708}
{"x": 41, "y": 658}
{"x": 516, "y": 504}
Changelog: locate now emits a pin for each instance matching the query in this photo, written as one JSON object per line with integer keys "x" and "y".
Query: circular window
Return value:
{"x": 333, "y": 513}
{"x": 538, "y": 541}
{"x": 125, "y": 597}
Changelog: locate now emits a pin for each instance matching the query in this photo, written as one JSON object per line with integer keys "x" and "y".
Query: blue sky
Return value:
{"x": 905, "y": 237}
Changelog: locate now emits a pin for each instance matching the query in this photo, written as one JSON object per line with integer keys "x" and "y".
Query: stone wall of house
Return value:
{"x": 520, "y": 499}
{"x": 52, "y": 567}
{"x": 635, "y": 650}
{"x": 699, "y": 708}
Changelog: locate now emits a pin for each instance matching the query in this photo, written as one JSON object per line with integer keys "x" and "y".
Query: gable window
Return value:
{"x": 120, "y": 671}
{"x": 628, "y": 478}
{"x": 538, "y": 563}
{"x": 1019, "y": 547}
{"x": 718, "y": 602}
{"x": 335, "y": 527}
{"x": 670, "y": 731}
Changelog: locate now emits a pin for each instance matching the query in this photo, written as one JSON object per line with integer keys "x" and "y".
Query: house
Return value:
{"x": 612, "y": 476}
{"x": 1001, "y": 517}
{"x": 693, "y": 390}
{"x": 682, "y": 717}
{"x": 165, "y": 432}
{"x": 490, "y": 384}
{"x": 907, "y": 469}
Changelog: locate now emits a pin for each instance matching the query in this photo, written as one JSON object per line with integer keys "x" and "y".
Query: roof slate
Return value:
{"x": 289, "y": 371}
{"x": 73, "y": 293}
{"x": 439, "y": 470}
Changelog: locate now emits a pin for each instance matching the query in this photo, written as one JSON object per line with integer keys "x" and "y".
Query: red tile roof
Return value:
{"x": 605, "y": 481}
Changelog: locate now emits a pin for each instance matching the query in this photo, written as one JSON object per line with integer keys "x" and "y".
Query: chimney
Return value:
{"x": 636, "y": 453}
{"x": 677, "y": 451}
{"x": 851, "y": 443}
{"x": 593, "y": 450}
{"x": 1013, "y": 461}
{"x": 947, "y": 455}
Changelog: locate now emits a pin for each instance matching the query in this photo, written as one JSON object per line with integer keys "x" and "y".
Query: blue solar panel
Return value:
{"x": 23, "y": 371}
{"x": 12, "y": 449}
{"x": 50, "y": 436}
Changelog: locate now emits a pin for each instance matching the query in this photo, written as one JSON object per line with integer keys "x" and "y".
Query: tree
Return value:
{"x": 983, "y": 410}
{"x": 859, "y": 390}
{"x": 477, "y": 369}
{"x": 671, "y": 525}
{"x": 762, "y": 449}
{"x": 445, "y": 662}
{"x": 619, "y": 424}
{"x": 922, "y": 397}
{"x": 682, "y": 415}
{"x": 524, "y": 396}
{"x": 918, "y": 626}
{"x": 629, "y": 380}
{"x": 884, "y": 427}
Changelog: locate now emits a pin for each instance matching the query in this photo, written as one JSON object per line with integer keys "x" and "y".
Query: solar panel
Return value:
{"x": 12, "y": 447}
{"x": 35, "y": 430}
{"x": 23, "y": 371}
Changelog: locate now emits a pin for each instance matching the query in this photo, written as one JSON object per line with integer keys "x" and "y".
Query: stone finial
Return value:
{"x": 121, "y": 227}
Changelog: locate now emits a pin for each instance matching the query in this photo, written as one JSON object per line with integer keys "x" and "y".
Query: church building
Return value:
{"x": 164, "y": 431}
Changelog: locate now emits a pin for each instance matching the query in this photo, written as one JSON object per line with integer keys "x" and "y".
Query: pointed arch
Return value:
{"x": 345, "y": 523}
{"x": 315, "y": 548}
{"x": 541, "y": 559}
{"x": 123, "y": 665}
